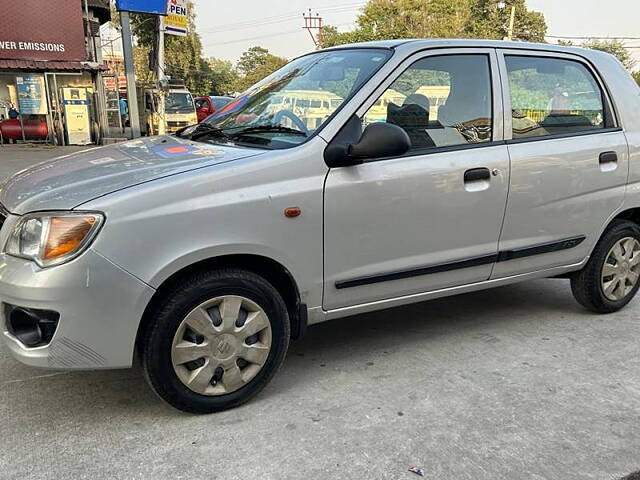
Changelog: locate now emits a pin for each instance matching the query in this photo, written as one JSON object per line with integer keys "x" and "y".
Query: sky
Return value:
{"x": 231, "y": 27}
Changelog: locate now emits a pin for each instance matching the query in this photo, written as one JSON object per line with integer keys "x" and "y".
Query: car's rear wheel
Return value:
{"x": 216, "y": 340}
{"x": 609, "y": 280}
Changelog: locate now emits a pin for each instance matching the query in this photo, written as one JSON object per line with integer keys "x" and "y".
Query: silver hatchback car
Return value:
{"x": 353, "y": 179}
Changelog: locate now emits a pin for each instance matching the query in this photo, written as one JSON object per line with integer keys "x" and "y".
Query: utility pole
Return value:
{"x": 162, "y": 124}
{"x": 511, "y": 22}
{"x": 314, "y": 23}
{"x": 132, "y": 96}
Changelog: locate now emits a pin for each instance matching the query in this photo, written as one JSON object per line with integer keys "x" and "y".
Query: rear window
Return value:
{"x": 551, "y": 96}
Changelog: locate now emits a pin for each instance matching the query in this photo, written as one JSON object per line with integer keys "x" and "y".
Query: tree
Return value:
{"x": 223, "y": 77}
{"x": 489, "y": 21}
{"x": 183, "y": 55}
{"x": 387, "y": 19}
{"x": 636, "y": 76}
{"x": 255, "y": 64}
{"x": 615, "y": 48}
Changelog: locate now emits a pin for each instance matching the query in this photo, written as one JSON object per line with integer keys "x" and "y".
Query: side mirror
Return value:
{"x": 378, "y": 140}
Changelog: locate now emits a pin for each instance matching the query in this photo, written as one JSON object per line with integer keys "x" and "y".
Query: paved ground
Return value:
{"x": 512, "y": 383}
{"x": 14, "y": 158}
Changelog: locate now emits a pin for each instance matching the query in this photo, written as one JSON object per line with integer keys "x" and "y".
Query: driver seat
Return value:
{"x": 413, "y": 118}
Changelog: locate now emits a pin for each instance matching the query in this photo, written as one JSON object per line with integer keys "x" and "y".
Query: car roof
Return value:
{"x": 416, "y": 44}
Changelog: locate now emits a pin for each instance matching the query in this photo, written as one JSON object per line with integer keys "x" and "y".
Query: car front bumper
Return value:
{"x": 99, "y": 303}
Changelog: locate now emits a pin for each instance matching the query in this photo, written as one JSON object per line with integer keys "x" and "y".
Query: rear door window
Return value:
{"x": 552, "y": 96}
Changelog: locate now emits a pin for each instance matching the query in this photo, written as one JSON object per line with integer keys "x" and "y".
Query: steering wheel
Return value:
{"x": 297, "y": 121}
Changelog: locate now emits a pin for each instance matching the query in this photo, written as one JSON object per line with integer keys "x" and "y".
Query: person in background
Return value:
{"x": 560, "y": 103}
{"x": 124, "y": 112}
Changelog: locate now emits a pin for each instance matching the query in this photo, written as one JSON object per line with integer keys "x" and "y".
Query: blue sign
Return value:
{"x": 30, "y": 94}
{"x": 155, "y": 7}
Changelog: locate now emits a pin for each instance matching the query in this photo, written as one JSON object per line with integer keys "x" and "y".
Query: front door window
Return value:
{"x": 440, "y": 101}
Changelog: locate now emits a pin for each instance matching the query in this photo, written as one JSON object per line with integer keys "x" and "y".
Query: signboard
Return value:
{"x": 155, "y": 7}
{"x": 177, "y": 20}
{"x": 31, "y": 95}
{"x": 37, "y": 30}
{"x": 76, "y": 115}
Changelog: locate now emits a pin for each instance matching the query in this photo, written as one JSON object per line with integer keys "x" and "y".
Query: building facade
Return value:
{"x": 51, "y": 84}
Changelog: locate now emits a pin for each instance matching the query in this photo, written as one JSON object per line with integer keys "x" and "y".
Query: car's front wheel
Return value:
{"x": 609, "y": 280}
{"x": 216, "y": 340}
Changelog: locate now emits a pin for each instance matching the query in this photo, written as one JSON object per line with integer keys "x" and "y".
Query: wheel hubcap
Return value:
{"x": 221, "y": 345}
{"x": 621, "y": 269}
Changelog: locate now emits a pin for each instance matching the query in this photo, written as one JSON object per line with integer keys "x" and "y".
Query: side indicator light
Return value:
{"x": 292, "y": 212}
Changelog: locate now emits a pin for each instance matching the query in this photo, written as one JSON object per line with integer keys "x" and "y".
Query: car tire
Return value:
{"x": 592, "y": 287}
{"x": 178, "y": 323}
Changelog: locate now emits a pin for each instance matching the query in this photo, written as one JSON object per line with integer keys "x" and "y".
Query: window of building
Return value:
{"x": 551, "y": 96}
{"x": 440, "y": 101}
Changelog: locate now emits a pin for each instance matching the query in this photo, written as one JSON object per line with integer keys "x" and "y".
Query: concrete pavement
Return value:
{"x": 14, "y": 158}
{"x": 511, "y": 383}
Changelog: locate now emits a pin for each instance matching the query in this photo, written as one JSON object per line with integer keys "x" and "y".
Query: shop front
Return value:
{"x": 50, "y": 77}
{"x": 53, "y": 107}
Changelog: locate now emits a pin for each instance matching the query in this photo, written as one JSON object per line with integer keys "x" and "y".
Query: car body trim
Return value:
{"x": 555, "y": 136}
{"x": 539, "y": 249}
{"x": 503, "y": 256}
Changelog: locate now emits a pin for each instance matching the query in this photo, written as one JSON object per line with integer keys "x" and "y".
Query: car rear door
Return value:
{"x": 569, "y": 160}
{"x": 429, "y": 219}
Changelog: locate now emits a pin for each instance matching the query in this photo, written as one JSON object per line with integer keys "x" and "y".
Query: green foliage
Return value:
{"x": 387, "y": 19}
{"x": 532, "y": 89}
{"x": 183, "y": 59}
{"x": 183, "y": 55}
{"x": 615, "y": 48}
{"x": 255, "y": 64}
{"x": 636, "y": 77}
{"x": 488, "y": 21}
{"x": 223, "y": 77}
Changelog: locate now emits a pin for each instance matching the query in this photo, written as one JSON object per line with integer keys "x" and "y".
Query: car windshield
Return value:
{"x": 291, "y": 104}
{"x": 179, "y": 101}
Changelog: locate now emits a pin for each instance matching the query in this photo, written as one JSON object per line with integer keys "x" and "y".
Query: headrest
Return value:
{"x": 414, "y": 112}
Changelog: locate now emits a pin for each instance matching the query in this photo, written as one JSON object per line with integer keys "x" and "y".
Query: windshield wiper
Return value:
{"x": 267, "y": 129}
{"x": 202, "y": 130}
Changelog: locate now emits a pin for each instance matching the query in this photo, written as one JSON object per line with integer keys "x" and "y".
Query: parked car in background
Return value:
{"x": 208, "y": 105}
{"x": 353, "y": 179}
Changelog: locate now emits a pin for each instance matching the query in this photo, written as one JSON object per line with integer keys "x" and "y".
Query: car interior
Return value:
{"x": 465, "y": 116}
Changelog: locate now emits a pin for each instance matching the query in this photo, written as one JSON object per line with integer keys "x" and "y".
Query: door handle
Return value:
{"x": 477, "y": 174}
{"x": 608, "y": 157}
{"x": 608, "y": 161}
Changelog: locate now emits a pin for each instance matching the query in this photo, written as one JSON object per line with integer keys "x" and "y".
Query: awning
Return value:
{"x": 50, "y": 66}
{"x": 100, "y": 9}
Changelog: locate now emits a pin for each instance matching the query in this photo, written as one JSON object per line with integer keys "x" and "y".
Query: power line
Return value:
{"x": 314, "y": 24}
{"x": 260, "y": 37}
{"x": 592, "y": 37}
{"x": 248, "y": 39}
{"x": 284, "y": 17}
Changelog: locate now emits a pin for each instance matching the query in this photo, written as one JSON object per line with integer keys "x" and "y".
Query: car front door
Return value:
{"x": 569, "y": 161}
{"x": 429, "y": 219}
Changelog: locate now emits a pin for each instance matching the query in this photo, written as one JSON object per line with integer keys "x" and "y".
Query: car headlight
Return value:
{"x": 52, "y": 238}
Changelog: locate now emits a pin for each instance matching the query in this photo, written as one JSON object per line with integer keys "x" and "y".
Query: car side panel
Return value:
{"x": 164, "y": 226}
{"x": 558, "y": 191}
